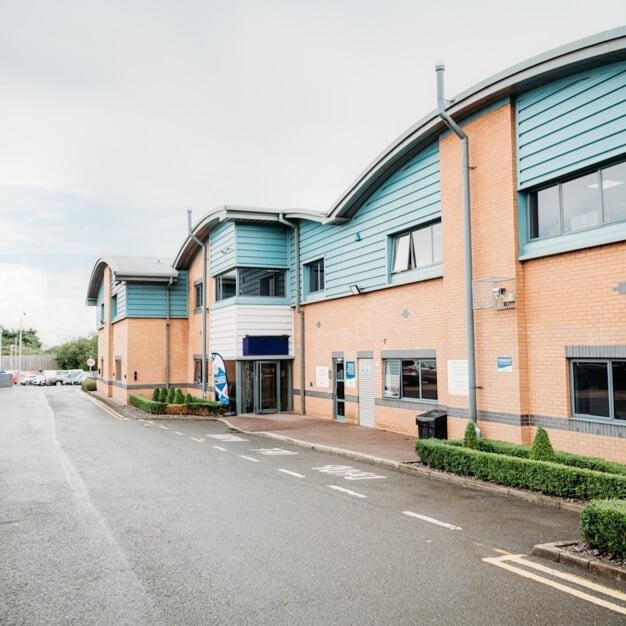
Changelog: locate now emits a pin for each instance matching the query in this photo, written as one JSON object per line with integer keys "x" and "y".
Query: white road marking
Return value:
{"x": 227, "y": 437}
{"x": 284, "y": 471}
{"x": 273, "y": 451}
{"x": 249, "y": 458}
{"x": 501, "y": 561}
{"x": 431, "y": 520}
{"x": 178, "y": 432}
{"x": 150, "y": 421}
{"x": 220, "y": 448}
{"x": 195, "y": 439}
{"x": 163, "y": 427}
{"x": 356, "y": 494}
{"x": 347, "y": 472}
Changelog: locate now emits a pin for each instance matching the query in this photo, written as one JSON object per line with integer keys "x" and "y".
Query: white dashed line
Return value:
{"x": 356, "y": 494}
{"x": 431, "y": 520}
{"x": 198, "y": 440}
{"x": 178, "y": 432}
{"x": 163, "y": 427}
{"x": 249, "y": 458}
{"x": 150, "y": 422}
{"x": 284, "y": 471}
{"x": 220, "y": 448}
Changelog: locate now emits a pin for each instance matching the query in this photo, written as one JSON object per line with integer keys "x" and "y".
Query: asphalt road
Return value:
{"x": 114, "y": 521}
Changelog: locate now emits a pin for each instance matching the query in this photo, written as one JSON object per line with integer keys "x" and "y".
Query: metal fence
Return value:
{"x": 30, "y": 362}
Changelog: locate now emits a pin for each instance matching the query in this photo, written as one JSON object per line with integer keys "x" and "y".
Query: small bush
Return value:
{"x": 171, "y": 394}
{"x": 179, "y": 398}
{"x": 149, "y": 406}
{"x": 603, "y": 525}
{"x": 156, "y": 394}
{"x": 188, "y": 399}
{"x": 89, "y": 385}
{"x": 163, "y": 395}
{"x": 470, "y": 440}
{"x": 541, "y": 450}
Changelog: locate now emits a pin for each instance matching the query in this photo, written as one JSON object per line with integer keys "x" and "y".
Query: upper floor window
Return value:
{"x": 226, "y": 285}
{"x": 261, "y": 282}
{"x": 198, "y": 295}
{"x": 113, "y": 307}
{"x": 599, "y": 388}
{"x": 314, "y": 273}
{"x": 581, "y": 203}
{"x": 246, "y": 281}
{"x": 417, "y": 248}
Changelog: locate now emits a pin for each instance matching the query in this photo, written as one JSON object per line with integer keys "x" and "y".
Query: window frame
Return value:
{"x": 397, "y": 392}
{"x": 315, "y": 274}
{"x": 610, "y": 388}
{"x": 410, "y": 264}
{"x": 198, "y": 288}
{"x": 533, "y": 211}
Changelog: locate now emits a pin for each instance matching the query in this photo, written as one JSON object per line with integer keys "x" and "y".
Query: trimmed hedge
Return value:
{"x": 564, "y": 458}
{"x": 149, "y": 406}
{"x": 542, "y": 476}
{"x": 603, "y": 525}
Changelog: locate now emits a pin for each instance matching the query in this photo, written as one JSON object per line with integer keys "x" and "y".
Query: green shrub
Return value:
{"x": 541, "y": 450}
{"x": 149, "y": 406}
{"x": 188, "y": 399}
{"x": 544, "y": 477}
{"x": 163, "y": 395}
{"x": 603, "y": 525}
{"x": 89, "y": 385}
{"x": 179, "y": 398}
{"x": 171, "y": 394}
{"x": 156, "y": 394}
{"x": 470, "y": 440}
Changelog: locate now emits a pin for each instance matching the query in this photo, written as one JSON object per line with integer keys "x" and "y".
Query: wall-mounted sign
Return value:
{"x": 350, "y": 374}
{"x": 321, "y": 377}
{"x": 505, "y": 364}
{"x": 458, "y": 378}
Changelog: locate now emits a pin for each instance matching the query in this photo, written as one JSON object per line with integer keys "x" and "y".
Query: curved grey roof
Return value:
{"x": 600, "y": 49}
{"x": 130, "y": 269}
{"x": 250, "y": 215}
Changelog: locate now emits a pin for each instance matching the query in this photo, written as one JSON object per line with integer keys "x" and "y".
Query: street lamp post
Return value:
{"x": 1, "y": 333}
{"x": 19, "y": 357}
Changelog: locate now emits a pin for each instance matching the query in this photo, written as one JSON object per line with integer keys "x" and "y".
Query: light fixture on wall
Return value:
{"x": 355, "y": 289}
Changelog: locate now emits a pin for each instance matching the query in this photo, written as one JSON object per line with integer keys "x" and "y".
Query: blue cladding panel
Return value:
{"x": 222, "y": 248}
{"x": 150, "y": 299}
{"x": 262, "y": 246}
{"x": 571, "y": 124}
{"x": 410, "y": 197}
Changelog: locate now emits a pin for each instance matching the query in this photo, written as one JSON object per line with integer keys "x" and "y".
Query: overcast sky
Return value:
{"x": 118, "y": 116}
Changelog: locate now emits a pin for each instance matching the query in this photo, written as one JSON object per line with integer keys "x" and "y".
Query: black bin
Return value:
{"x": 432, "y": 425}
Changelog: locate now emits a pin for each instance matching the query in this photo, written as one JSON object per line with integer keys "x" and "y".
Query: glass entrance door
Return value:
{"x": 268, "y": 386}
{"x": 340, "y": 402}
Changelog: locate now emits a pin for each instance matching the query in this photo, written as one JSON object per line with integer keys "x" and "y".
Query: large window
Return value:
{"x": 250, "y": 281}
{"x": 584, "y": 202}
{"x": 599, "y": 388}
{"x": 417, "y": 248}
{"x": 411, "y": 379}
{"x": 315, "y": 276}
{"x": 226, "y": 285}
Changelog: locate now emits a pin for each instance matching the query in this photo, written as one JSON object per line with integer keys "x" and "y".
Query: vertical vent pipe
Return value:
{"x": 467, "y": 243}
{"x": 202, "y": 244}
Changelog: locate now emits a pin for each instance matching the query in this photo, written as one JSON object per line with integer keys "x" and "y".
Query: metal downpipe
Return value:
{"x": 299, "y": 311}
{"x": 202, "y": 244}
{"x": 467, "y": 243}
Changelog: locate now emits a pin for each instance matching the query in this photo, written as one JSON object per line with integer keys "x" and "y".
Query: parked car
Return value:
{"x": 77, "y": 380}
{"x": 39, "y": 380}
{"x": 54, "y": 377}
{"x": 28, "y": 379}
{"x": 69, "y": 377}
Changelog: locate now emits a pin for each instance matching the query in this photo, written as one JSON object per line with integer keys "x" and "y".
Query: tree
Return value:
{"x": 74, "y": 354}
{"x": 31, "y": 344}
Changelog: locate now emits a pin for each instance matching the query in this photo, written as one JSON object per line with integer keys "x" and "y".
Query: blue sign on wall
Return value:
{"x": 266, "y": 345}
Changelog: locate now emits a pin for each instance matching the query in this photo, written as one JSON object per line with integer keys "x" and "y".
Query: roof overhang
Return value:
{"x": 601, "y": 49}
